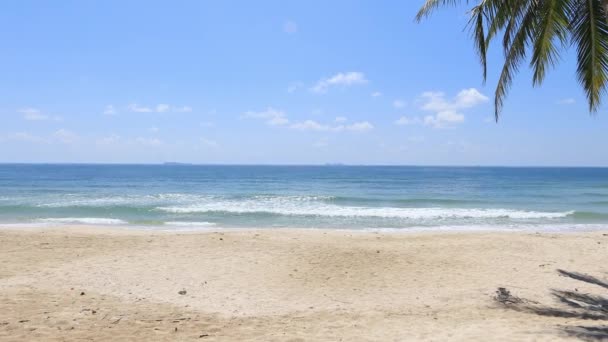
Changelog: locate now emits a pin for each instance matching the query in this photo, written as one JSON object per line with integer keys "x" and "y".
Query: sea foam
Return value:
{"x": 83, "y": 220}
{"x": 189, "y": 224}
{"x": 317, "y": 209}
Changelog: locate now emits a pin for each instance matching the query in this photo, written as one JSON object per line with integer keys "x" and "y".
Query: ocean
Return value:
{"x": 404, "y": 198}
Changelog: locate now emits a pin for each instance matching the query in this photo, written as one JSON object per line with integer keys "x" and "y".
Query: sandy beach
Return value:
{"x": 85, "y": 283}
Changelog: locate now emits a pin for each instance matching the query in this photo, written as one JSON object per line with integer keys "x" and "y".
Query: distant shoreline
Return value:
{"x": 204, "y": 229}
{"x": 309, "y": 165}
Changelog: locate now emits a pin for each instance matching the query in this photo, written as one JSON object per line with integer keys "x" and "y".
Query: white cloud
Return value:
{"x": 398, "y": 104}
{"x": 447, "y": 112}
{"x": 154, "y": 129}
{"x": 33, "y": 114}
{"x": 61, "y": 135}
{"x": 566, "y": 101}
{"x": 118, "y": 141}
{"x": 290, "y": 27}
{"x": 376, "y": 94}
{"x": 108, "y": 140}
{"x": 272, "y": 116}
{"x": 25, "y": 137}
{"x": 139, "y": 109}
{"x": 277, "y": 121}
{"x": 276, "y": 117}
{"x": 404, "y": 120}
{"x": 443, "y": 119}
{"x": 65, "y": 136}
{"x": 310, "y": 125}
{"x": 340, "y": 79}
{"x": 151, "y": 142}
{"x": 363, "y": 126}
{"x": 161, "y": 108}
{"x": 109, "y": 110}
{"x": 466, "y": 98}
{"x": 183, "y": 109}
{"x": 209, "y": 143}
{"x": 433, "y": 101}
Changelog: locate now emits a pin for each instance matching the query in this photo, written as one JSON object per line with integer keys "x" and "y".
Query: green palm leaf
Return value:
{"x": 590, "y": 34}
{"x": 553, "y": 25}
{"x": 477, "y": 22}
{"x": 515, "y": 54}
{"x": 431, "y": 5}
{"x": 542, "y": 29}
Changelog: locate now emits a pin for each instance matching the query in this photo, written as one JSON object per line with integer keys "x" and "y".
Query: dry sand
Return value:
{"x": 84, "y": 283}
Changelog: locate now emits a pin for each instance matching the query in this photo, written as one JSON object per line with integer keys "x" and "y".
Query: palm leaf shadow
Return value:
{"x": 573, "y": 304}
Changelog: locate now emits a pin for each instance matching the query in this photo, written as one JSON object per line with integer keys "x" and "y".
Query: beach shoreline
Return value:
{"x": 85, "y": 282}
{"x": 196, "y": 229}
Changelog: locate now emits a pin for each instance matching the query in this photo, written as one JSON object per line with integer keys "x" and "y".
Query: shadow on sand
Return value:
{"x": 573, "y": 304}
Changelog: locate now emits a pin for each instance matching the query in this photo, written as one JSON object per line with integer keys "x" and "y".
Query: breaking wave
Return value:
{"x": 292, "y": 209}
{"x": 83, "y": 220}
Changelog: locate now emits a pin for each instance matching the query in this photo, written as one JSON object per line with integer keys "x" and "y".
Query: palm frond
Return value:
{"x": 589, "y": 31}
{"x": 514, "y": 10}
{"x": 515, "y": 54}
{"x": 542, "y": 28}
{"x": 430, "y": 5}
{"x": 488, "y": 18}
{"x": 553, "y": 28}
{"x": 477, "y": 23}
{"x": 498, "y": 16}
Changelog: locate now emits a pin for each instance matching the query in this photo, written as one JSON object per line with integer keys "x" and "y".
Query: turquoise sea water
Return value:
{"x": 354, "y": 197}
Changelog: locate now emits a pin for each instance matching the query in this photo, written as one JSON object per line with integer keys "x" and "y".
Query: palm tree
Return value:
{"x": 541, "y": 29}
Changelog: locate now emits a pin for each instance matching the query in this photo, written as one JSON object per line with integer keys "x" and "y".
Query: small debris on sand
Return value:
{"x": 505, "y": 297}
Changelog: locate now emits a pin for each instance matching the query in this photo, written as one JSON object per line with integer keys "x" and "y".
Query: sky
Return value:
{"x": 274, "y": 82}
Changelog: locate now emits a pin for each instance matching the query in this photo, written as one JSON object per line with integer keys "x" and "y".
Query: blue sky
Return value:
{"x": 279, "y": 82}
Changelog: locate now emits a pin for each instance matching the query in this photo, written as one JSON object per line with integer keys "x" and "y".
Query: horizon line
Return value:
{"x": 295, "y": 165}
